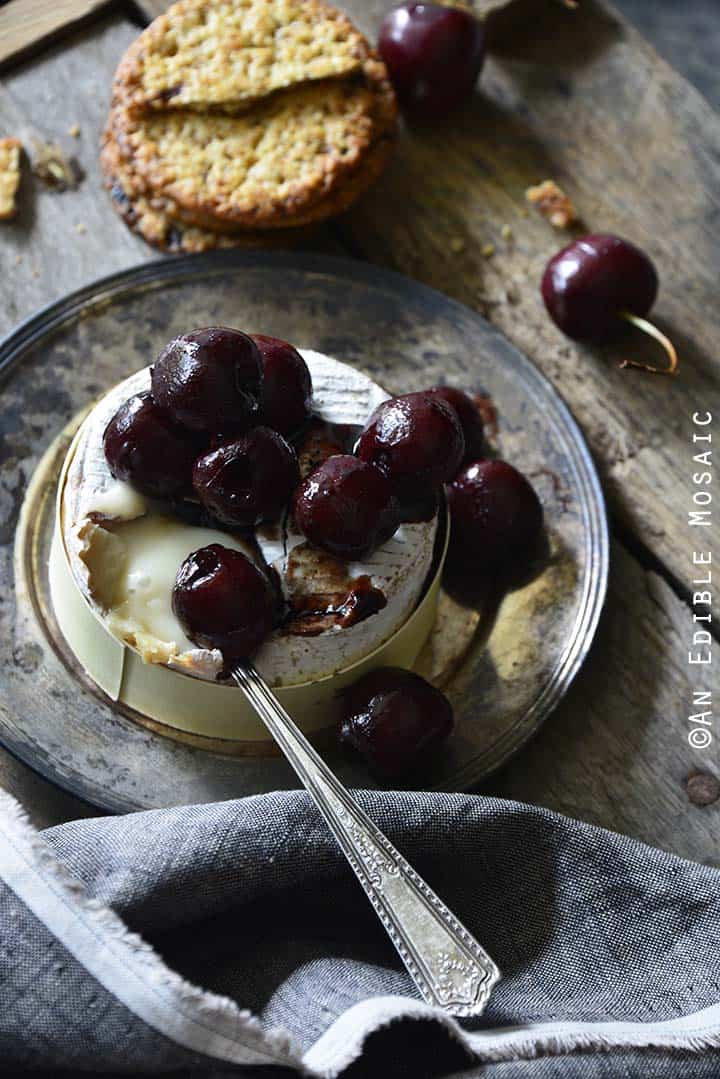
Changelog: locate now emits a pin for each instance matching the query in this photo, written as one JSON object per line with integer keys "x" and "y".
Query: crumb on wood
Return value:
{"x": 702, "y": 788}
{"x": 10, "y": 151}
{"x": 457, "y": 245}
{"x": 55, "y": 168}
{"x": 74, "y": 130}
{"x": 506, "y": 232}
{"x": 487, "y": 250}
{"x": 553, "y": 204}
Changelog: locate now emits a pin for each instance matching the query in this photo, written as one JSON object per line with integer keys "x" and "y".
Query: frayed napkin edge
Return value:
{"x": 215, "y": 1025}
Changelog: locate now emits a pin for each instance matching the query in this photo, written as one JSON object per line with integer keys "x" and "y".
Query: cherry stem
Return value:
{"x": 653, "y": 331}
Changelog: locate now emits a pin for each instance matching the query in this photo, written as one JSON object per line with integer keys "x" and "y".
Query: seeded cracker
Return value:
{"x": 204, "y": 54}
{"x": 161, "y": 223}
{"x": 9, "y": 176}
{"x": 239, "y": 115}
{"x": 265, "y": 167}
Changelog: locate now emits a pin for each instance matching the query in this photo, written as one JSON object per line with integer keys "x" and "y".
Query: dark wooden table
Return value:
{"x": 578, "y": 96}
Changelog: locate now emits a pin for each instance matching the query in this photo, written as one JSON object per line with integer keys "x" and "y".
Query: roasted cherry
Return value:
{"x": 287, "y": 385}
{"x": 496, "y": 517}
{"x": 418, "y": 441}
{"x": 144, "y": 447}
{"x": 597, "y": 285}
{"x": 247, "y": 481}
{"x": 469, "y": 416}
{"x": 210, "y": 380}
{"x": 433, "y": 54}
{"x": 224, "y": 601}
{"x": 346, "y": 507}
{"x": 395, "y": 720}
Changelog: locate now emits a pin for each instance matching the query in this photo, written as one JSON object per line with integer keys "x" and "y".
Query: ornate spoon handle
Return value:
{"x": 447, "y": 964}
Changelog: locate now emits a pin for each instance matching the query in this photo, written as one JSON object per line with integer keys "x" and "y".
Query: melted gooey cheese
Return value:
{"x": 132, "y": 589}
{"x": 150, "y": 551}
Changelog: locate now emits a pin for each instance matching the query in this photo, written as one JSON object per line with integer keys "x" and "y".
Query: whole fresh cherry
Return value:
{"x": 287, "y": 386}
{"x": 247, "y": 481}
{"x": 417, "y": 440}
{"x": 346, "y": 507}
{"x": 496, "y": 517}
{"x": 210, "y": 380}
{"x": 224, "y": 601}
{"x": 395, "y": 720}
{"x": 146, "y": 449}
{"x": 597, "y": 285}
{"x": 434, "y": 55}
{"x": 469, "y": 416}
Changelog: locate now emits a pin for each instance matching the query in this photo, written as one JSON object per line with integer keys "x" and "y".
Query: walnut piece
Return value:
{"x": 54, "y": 168}
{"x": 553, "y": 203}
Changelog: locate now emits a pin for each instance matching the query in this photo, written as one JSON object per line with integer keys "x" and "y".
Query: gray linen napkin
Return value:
{"x": 129, "y": 945}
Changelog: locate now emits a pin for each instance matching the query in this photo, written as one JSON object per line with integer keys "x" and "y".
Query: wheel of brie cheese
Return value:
{"x": 123, "y": 552}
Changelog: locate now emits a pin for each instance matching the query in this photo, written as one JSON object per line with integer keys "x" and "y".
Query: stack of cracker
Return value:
{"x": 234, "y": 119}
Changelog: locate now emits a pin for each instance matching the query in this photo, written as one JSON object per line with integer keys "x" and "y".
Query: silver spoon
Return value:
{"x": 446, "y": 963}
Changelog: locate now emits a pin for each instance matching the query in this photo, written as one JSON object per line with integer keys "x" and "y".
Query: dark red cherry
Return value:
{"x": 346, "y": 507}
{"x": 210, "y": 380}
{"x": 287, "y": 386}
{"x": 248, "y": 481}
{"x": 418, "y": 441}
{"x": 395, "y": 720}
{"x": 469, "y": 416}
{"x": 496, "y": 517}
{"x": 591, "y": 283}
{"x": 144, "y": 447}
{"x": 433, "y": 54}
{"x": 224, "y": 601}
{"x": 597, "y": 285}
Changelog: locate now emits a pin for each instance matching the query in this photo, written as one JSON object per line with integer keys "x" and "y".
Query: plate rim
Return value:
{"x": 169, "y": 271}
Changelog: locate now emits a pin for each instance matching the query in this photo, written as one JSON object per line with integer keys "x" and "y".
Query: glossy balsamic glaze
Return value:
{"x": 313, "y": 613}
{"x": 344, "y": 600}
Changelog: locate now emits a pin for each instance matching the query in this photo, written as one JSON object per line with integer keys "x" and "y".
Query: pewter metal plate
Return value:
{"x": 504, "y": 674}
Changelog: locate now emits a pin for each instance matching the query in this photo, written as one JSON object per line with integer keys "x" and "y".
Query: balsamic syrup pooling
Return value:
{"x": 312, "y": 614}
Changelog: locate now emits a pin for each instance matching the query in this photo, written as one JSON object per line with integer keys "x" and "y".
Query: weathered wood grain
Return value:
{"x": 61, "y": 240}
{"x": 615, "y": 752}
{"x": 577, "y": 96}
{"x": 150, "y": 9}
{"x": 26, "y": 23}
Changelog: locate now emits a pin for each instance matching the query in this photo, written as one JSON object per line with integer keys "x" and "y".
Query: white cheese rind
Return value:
{"x": 93, "y": 499}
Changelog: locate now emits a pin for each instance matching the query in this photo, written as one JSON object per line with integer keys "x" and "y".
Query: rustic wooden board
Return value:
{"x": 59, "y": 241}
{"x": 580, "y": 97}
{"x": 577, "y": 96}
{"x": 615, "y": 752}
{"x": 26, "y": 23}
